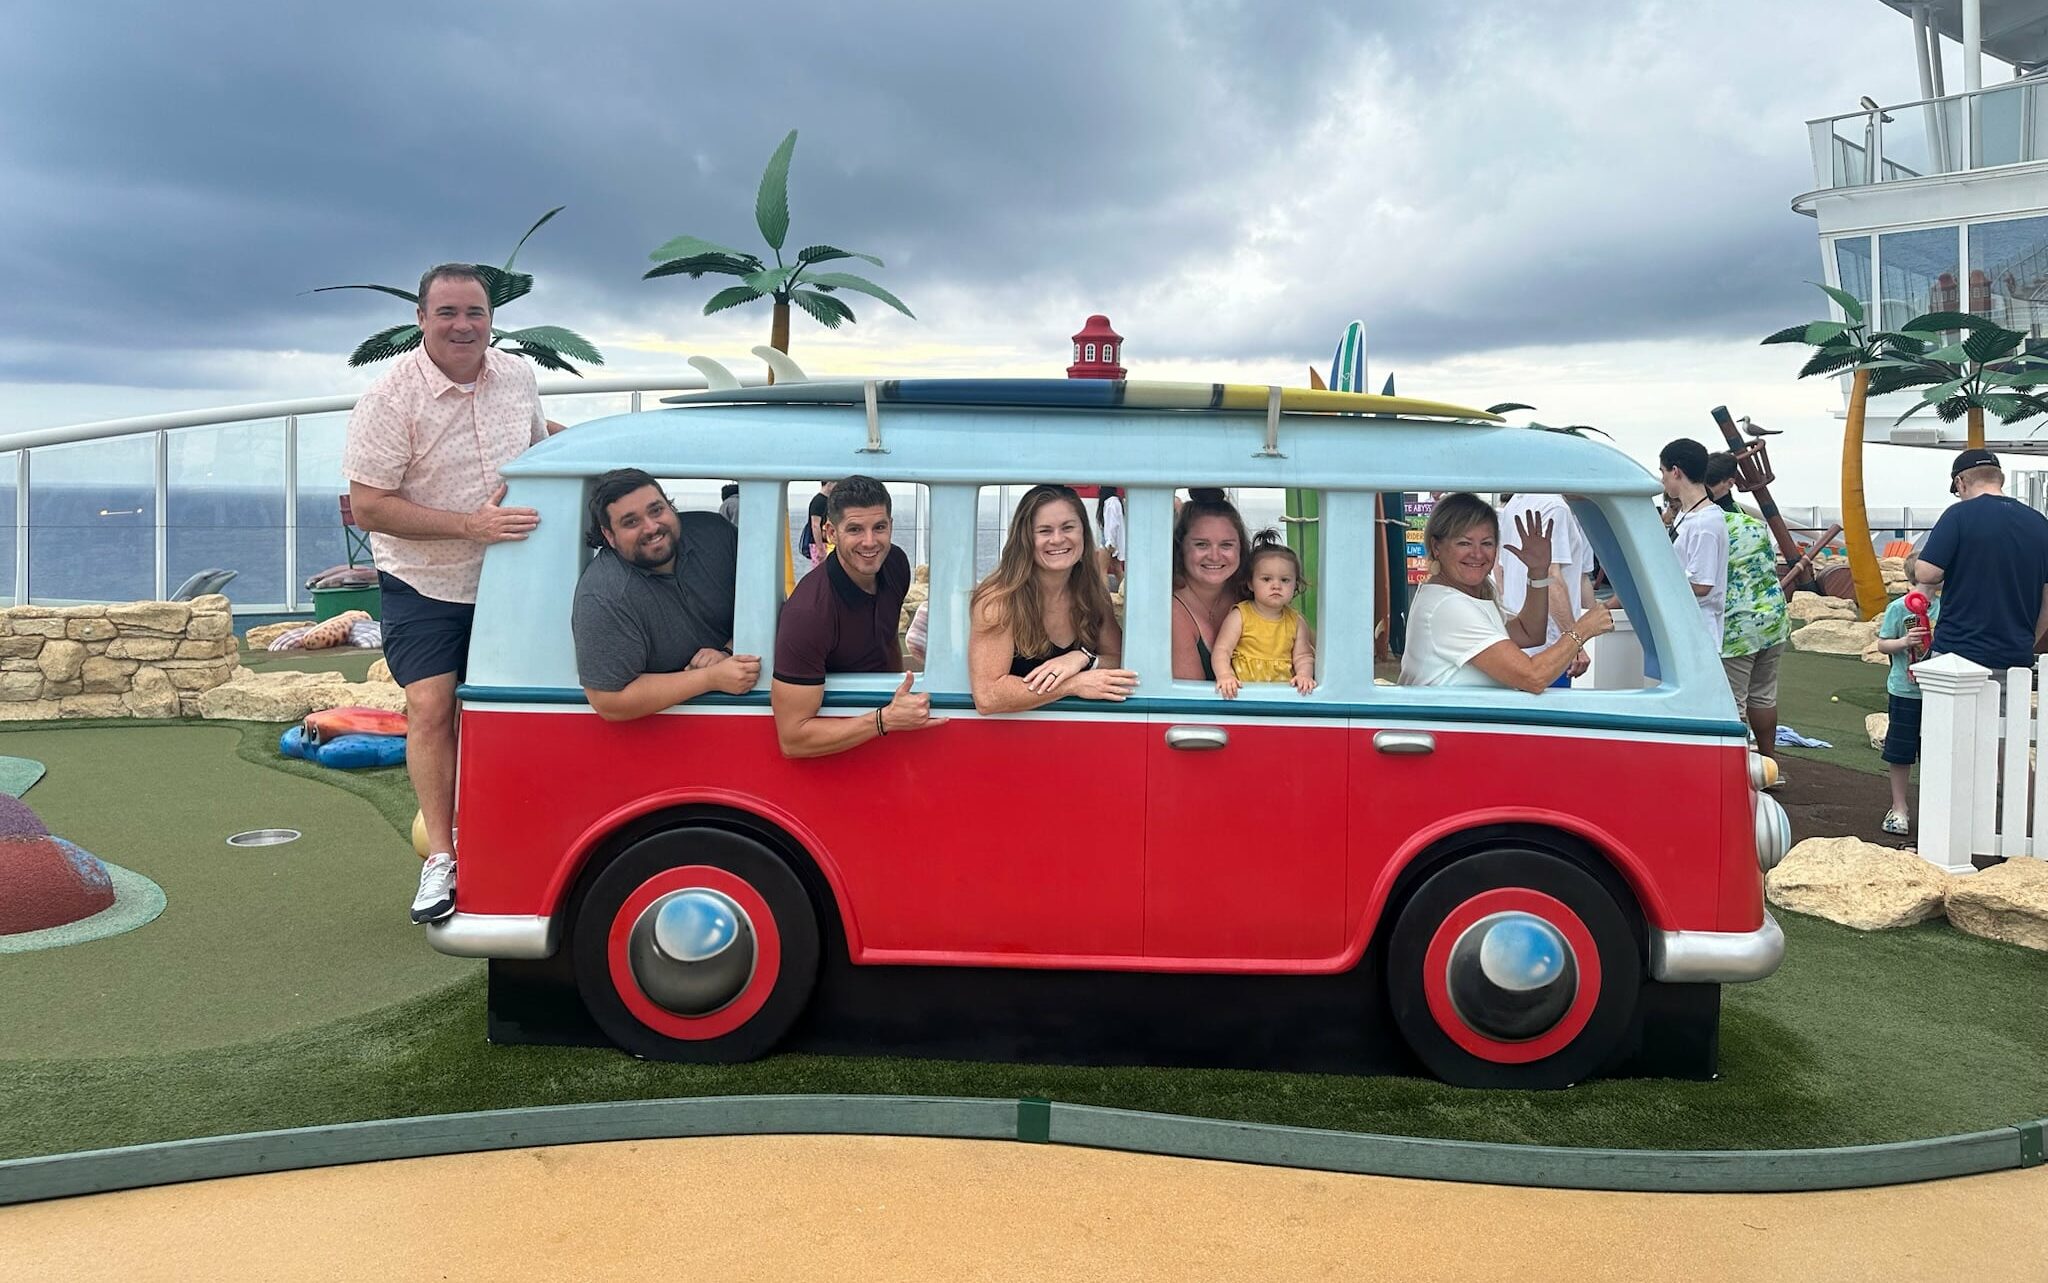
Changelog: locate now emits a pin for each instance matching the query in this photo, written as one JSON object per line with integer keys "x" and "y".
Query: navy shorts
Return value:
{"x": 423, "y": 636}
{"x": 1902, "y": 739}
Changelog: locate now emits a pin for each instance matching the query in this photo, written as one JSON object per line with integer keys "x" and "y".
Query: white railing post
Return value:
{"x": 21, "y": 472}
{"x": 2014, "y": 741}
{"x": 1949, "y": 691}
{"x": 2037, "y": 843}
{"x": 291, "y": 512}
{"x": 161, "y": 502}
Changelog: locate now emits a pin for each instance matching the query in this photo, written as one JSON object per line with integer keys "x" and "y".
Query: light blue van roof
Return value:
{"x": 751, "y": 437}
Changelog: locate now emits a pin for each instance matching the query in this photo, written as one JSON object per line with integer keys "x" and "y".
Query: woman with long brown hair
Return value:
{"x": 1042, "y": 624}
{"x": 1212, "y": 572}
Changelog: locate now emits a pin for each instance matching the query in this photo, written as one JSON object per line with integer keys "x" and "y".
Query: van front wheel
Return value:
{"x": 1512, "y": 968}
{"x": 696, "y": 945}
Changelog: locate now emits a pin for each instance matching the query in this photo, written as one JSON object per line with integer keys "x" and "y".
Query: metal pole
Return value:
{"x": 1973, "y": 46}
{"x": 163, "y": 516}
{"x": 636, "y": 403}
{"x": 21, "y": 528}
{"x": 291, "y": 512}
{"x": 1937, "y": 142}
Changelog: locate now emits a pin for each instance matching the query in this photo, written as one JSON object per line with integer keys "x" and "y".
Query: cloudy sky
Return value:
{"x": 1583, "y": 206}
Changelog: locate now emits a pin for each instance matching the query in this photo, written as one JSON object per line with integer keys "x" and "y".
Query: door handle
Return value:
{"x": 1196, "y": 738}
{"x": 1404, "y": 743}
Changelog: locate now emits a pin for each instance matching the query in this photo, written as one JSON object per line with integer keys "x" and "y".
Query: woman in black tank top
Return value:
{"x": 1211, "y": 574}
{"x": 1043, "y": 625}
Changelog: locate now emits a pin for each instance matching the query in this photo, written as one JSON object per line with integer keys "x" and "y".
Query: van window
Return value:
{"x": 1291, "y": 518}
{"x": 909, "y": 531}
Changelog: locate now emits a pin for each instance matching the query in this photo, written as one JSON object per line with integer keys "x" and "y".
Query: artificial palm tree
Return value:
{"x": 549, "y": 346}
{"x": 799, "y": 282}
{"x": 1838, "y": 346}
{"x": 1988, "y": 368}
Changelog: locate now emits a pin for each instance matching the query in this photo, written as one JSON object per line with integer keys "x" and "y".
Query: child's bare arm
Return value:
{"x": 1304, "y": 658}
{"x": 1225, "y": 656}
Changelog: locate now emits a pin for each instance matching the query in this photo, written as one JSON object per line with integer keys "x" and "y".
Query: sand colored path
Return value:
{"x": 784, "y": 1207}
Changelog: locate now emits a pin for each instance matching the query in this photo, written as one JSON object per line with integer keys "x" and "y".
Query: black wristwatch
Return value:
{"x": 1093, "y": 658}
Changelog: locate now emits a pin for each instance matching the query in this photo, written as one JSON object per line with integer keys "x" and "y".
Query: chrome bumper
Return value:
{"x": 493, "y": 935}
{"x": 1717, "y": 957}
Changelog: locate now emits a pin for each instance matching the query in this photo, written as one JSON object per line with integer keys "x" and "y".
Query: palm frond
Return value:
{"x": 529, "y": 232}
{"x": 1828, "y": 361}
{"x": 566, "y": 341}
{"x": 1506, "y": 406}
{"x": 824, "y": 309}
{"x": 385, "y": 344}
{"x": 772, "y": 280}
{"x": 697, "y": 265}
{"x": 1791, "y": 333}
{"x": 859, "y": 285}
{"x": 692, "y": 246}
{"x": 392, "y": 290}
{"x": 826, "y": 253}
{"x": 771, "y": 203}
{"x": 1936, "y": 322}
{"x": 1993, "y": 344}
{"x": 545, "y": 358}
{"x": 1852, "y": 307}
{"x": 732, "y": 296}
{"x": 503, "y": 286}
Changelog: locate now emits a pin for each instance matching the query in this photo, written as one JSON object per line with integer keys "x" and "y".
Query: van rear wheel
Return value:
{"x": 696, "y": 944}
{"x": 1513, "y": 968}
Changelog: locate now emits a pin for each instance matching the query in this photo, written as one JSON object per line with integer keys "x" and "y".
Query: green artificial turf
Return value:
{"x": 1860, "y": 1038}
{"x": 1827, "y": 697}
{"x": 253, "y": 941}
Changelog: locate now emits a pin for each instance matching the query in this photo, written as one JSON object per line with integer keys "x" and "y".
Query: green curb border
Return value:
{"x": 99, "y": 1171}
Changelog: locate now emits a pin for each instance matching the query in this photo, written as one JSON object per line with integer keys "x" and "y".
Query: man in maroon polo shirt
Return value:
{"x": 842, "y": 619}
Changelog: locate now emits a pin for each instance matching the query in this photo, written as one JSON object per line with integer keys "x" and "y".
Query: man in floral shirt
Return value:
{"x": 1756, "y": 625}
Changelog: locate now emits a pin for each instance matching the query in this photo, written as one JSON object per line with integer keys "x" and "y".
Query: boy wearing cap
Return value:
{"x": 1990, "y": 555}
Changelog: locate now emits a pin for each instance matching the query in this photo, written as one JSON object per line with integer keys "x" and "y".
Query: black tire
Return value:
{"x": 1571, "y": 1047}
{"x": 772, "y": 883}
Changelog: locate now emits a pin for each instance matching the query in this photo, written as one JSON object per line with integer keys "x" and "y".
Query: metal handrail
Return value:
{"x": 24, "y": 444}
{"x": 105, "y": 429}
{"x": 2038, "y": 80}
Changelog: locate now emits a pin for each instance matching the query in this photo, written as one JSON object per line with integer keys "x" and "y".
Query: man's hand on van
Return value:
{"x": 1112, "y": 684}
{"x": 909, "y": 710}
{"x": 493, "y": 524}
{"x": 735, "y": 674}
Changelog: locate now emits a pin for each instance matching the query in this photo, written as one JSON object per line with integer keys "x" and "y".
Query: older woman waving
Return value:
{"x": 1458, "y": 635}
{"x": 1043, "y": 625}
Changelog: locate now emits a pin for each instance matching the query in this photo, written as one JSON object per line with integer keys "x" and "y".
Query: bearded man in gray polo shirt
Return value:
{"x": 653, "y": 610}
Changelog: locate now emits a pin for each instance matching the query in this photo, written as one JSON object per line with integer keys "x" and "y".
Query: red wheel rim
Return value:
{"x": 1436, "y": 975}
{"x": 767, "y": 956}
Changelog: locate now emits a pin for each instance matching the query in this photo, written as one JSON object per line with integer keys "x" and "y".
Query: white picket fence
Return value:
{"x": 1979, "y": 791}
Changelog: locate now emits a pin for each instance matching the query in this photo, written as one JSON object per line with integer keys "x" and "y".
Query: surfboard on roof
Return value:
{"x": 1083, "y": 394}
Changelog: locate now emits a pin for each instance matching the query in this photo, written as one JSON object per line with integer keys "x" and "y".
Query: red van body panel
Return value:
{"x": 1086, "y": 842}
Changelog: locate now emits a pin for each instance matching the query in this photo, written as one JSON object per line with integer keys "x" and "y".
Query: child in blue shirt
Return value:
{"x": 1900, "y": 635}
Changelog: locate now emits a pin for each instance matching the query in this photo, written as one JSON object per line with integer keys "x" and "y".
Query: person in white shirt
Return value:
{"x": 1109, "y": 514}
{"x": 1458, "y": 635}
{"x": 1699, "y": 532}
{"x": 1570, "y": 589}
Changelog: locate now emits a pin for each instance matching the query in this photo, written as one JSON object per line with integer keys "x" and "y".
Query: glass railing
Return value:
{"x": 130, "y": 509}
{"x": 2003, "y": 125}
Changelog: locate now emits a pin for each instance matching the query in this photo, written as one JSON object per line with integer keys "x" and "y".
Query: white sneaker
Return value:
{"x": 436, "y": 899}
{"x": 1898, "y": 822}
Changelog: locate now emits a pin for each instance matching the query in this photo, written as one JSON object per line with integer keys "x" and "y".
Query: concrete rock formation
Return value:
{"x": 289, "y": 696}
{"x": 132, "y": 659}
{"x": 2006, "y": 902}
{"x": 380, "y": 671}
{"x": 1806, "y": 607}
{"x": 1836, "y": 636}
{"x": 1858, "y": 884}
{"x": 260, "y": 637}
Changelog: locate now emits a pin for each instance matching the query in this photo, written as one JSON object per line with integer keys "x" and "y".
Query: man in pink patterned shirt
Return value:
{"x": 424, "y": 447}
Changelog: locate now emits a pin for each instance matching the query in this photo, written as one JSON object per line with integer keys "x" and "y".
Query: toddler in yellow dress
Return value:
{"x": 1266, "y": 639}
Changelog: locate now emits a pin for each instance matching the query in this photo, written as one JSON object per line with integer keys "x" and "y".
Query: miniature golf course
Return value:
{"x": 283, "y": 988}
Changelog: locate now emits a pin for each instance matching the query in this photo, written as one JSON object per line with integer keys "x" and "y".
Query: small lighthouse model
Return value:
{"x": 1096, "y": 349}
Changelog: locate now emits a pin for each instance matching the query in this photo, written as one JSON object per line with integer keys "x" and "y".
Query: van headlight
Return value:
{"x": 1773, "y": 832}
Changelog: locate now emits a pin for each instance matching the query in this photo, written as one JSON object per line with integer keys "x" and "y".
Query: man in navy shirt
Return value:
{"x": 1990, "y": 554}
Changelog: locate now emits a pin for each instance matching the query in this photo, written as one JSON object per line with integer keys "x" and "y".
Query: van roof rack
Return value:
{"x": 1072, "y": 394}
